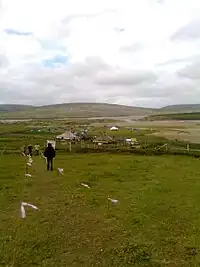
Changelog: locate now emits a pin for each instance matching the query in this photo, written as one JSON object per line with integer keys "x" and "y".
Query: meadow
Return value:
{"x": 189, "y": 116}
{"x": 156, "y": 221}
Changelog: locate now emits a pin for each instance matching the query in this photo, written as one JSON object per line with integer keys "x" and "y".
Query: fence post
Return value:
{"x": 70, "y": 146}
{"x": 166, "y": 147}
{"x": 188, "y": 148}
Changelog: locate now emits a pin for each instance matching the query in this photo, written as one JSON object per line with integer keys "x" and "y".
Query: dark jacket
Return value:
{"x": 50, "y": 152}
{"x": 30, "y": 147}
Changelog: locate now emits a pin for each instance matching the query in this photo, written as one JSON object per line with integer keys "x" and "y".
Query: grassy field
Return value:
{"x": 155, "y": 223}
{"x": 14, "y": 136}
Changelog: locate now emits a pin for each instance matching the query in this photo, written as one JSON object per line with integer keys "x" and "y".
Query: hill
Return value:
{"x": 173, "y": 116}
{"x": 85, "y": 110}
{"x": 75, "y": 110}
{"x": 181, "y": 108}
{"x": 13, "y": 107}
{"x": 176, "y": 112}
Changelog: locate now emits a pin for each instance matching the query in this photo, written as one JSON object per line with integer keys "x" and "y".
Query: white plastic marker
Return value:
{"x": 2, "y": 151}
{"x": 22, "y": 208}
{"x": 85, "y": 185}
{"x": 114, "y": 201}
{"x": 30, "y": 160}
{"x": 44, "y": 157}
{"x": 28, "y": 175}
{"x": 60, "y": 170}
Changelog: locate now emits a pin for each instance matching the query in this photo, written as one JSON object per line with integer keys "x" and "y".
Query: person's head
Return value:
{"x": 49, "y": 145}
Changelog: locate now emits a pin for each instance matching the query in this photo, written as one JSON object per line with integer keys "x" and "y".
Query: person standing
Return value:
{"x": 49, "y": 154}
{"x": 37, "y": 148}
{"x": 25, "y": 150}
{"x": 30, "y": 149}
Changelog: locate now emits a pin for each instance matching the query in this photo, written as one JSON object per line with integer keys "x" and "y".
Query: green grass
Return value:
{"x": 176, "y": 116}
{"x": 14, "y": 136}
{"x": 155, "y": 223}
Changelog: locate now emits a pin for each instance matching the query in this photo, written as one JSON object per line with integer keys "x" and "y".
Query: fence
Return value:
{"x": 166, "y": 147}
{"x": 142, "y": 149}
{"x": 145, "y": 149}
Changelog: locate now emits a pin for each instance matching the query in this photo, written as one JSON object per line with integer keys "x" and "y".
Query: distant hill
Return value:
{"x": 181, "y": 108}
{"x": 176, "y": 112}
{"x": 72, "y": 110}
{"x": 85, "y": 110}
{"x": 12, "y": 107}
{"x": 173, "y": 116}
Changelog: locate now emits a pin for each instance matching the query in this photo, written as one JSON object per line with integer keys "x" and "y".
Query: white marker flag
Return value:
{"x": 60, "y": 170}
{"x": 30, "y": 160}
{"x": 85, "y": 185}
{"x": 114, "y": 201}
{"x": 22, "y": 208}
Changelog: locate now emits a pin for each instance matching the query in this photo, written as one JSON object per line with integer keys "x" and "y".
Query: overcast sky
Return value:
{"x": 132, "y": 52}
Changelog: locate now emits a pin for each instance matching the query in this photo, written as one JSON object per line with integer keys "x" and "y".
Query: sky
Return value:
{"x": 131, "y": 52}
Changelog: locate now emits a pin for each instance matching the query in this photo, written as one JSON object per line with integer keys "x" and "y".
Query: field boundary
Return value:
{"x": 145, "y": 149}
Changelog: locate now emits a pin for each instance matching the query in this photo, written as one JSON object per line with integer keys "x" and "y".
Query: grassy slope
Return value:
{"x": 78, "y": 110}
{"x": 156, "y": 222}
{"x": 182, "y": 108}
{"x": 88, "y": 110}
{"x": 174, "y": 116}
{"x": 10, "y": 107}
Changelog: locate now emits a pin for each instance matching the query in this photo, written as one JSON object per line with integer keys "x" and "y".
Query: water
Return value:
{"x": 13, "y": 121}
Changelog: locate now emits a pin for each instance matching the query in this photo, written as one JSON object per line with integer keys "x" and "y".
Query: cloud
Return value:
{"x": 15, "y": 32}
{"x": 191, "y": 31}
{"x": 132, "y": 47}
{"x": 3, "y": 61}
{"x": 191, "y": 71}
{"x": 116, "y": 51}
{"x": 125, "y": 78}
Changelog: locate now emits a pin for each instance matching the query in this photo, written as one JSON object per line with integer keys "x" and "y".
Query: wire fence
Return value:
{"x": 145, "y": 148}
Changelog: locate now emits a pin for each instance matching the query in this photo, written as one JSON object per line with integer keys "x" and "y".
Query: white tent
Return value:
{"x": 114, "y": 128}
{"x": 67, "y": 136}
